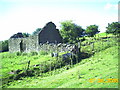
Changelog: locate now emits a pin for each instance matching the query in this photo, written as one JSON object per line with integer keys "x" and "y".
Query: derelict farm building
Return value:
{"x": 49, "y": 34}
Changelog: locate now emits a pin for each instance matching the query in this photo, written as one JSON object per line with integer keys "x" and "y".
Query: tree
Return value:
{"x": 36, "y": 31}
{"x": 70, "y": 31}
{"x": 3, "y": 46}
{"x": 91, "y": 30}
{"x": 26, "y": 34}
{"x": 113, "y": 28}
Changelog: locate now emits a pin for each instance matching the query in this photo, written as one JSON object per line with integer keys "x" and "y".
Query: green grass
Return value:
{"x": 102, "y": 65}
{"x": 99, "y": 35}
{"x": 10, "y": 61}
{"x": 103, "y": 34}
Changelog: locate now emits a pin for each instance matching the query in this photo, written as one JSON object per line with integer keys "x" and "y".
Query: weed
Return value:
{"x": 43, "y": 53}
{"x": 33, "y": 53}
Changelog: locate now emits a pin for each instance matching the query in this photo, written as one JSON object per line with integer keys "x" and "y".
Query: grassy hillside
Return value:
{"x": 79, "y": 76}
{"x": 98, "y": 71}
{"x": 103, "y": 34}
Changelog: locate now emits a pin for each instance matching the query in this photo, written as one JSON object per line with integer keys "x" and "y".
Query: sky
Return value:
{"x": 27, "y": 15}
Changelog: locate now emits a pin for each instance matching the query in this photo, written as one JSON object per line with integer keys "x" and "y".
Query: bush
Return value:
{"x": 4, "y": 46}
{"x": 33, "y": 53}
{"x": 43, "y": 53}
{"x": 24, "y": 54}
{"x": 18, "y": 53}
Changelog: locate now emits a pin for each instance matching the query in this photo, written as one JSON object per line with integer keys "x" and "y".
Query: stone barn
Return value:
{"x": 48, "y": 34}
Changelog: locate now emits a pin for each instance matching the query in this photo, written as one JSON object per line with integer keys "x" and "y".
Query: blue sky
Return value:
{"x": 28, "y": 15}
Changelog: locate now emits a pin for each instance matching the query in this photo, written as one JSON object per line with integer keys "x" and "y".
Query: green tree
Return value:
{"x": 3, "y": 46}
{"x": 91, "y": 30}
{"x": 113, "y": 28}
{"x": 26, "y": 34}
{"x": 70, "y": 31}
{"x": 36, "y": 31}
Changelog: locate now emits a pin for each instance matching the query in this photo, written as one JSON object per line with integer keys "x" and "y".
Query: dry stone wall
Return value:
{"x": 23, "y": 44}
{"x": 14, "y": 44}
{"x": 31, "y": 44}
{"x": 55, "y": 47}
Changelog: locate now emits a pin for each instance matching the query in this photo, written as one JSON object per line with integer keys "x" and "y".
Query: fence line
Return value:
{"x": 92, "y": 47}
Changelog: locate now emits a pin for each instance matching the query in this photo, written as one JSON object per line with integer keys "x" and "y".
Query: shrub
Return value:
{"x": 43, "y": 53}
{"x": 4, "y": 46}
{"x": 24, "y": 54}
{"x": 18, "y": 53}
{"x": 33, "y": 53}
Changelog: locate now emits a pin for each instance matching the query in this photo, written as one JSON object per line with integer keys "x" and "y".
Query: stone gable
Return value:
{"x": 50, "y": 34}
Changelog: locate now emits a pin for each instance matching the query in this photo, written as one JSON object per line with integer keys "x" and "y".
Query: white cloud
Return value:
{"x": 109, "y": 6}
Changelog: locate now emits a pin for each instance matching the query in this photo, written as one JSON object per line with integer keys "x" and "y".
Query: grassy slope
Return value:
{"x": 13, "y": 62}
{"x": 103, "y": 34}
{"x": 102, "y": 65}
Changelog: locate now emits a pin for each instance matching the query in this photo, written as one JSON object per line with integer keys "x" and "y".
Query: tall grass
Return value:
{"x": 42, "y": 64}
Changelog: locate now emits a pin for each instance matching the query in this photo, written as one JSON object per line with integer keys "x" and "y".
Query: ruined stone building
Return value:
{"x": 48, "y": 34}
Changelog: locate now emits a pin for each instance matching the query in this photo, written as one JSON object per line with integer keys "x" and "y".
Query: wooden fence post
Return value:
{"x": 28, "y": 65}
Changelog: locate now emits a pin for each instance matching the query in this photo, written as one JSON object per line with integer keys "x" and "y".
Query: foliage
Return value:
{"x": 33, "y": 53}
{"x": 36, "y": 31}
{"x": 70, "y": 31}
{"x": 113, "y": 28}
{"x": 97, "y": 67}
{"x": 24, "y": 54}
{"x": 54, "y": 72}
{"x": 91, "y": 30}
{"x": 43, "y": 52}
{"x": 93, "y": 46}
{"x": 4, "y": 46}
{"x": 26, "y": 34}
{"x": 18, "y": 53}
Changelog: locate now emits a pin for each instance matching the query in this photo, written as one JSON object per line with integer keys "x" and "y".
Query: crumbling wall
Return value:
{"x": 56, "y": 47}
{"x": 23, "y": 44}
{"x": 49, "y": 33}
{"x": 32, "y": 43}
{"x": 14, "y": 44}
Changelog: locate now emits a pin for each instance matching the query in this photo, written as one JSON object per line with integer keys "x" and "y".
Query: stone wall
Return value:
{"x": 23, "y": 44}
{"x": 31, "y": 44}
{"x": 14, "y": 44}
{"x": 55, "y": 47}
{"x": 49, "y": 33}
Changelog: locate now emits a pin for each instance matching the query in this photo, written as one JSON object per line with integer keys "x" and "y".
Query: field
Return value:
{"x": 99, "y": 69}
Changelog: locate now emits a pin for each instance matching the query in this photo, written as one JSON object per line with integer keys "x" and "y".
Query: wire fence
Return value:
{"x": 87, "y": 48}
{"x": 60, "y": 62}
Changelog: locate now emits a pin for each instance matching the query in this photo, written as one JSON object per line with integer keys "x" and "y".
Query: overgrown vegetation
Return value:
{"x": 55, "y": 72}
{"x": 71, "y": 32}
{"x": 91, "y": 30}
{"x": 4, "y": 46}
{"x": 97, "y": 59}
{"x": 113, "y": 28}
